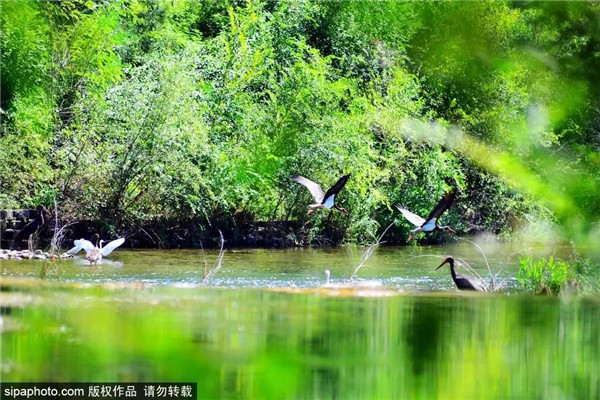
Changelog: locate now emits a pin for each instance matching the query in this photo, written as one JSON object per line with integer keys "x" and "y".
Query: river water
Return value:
{"x": 268, "y": 326}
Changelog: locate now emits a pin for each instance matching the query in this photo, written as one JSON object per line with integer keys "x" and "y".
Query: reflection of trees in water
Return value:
{"x": 423, "y": 333}
{"x": 261, "y": 344}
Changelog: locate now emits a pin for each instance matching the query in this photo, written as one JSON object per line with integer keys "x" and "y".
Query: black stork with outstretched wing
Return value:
{"x": 323, "y": 200}
{"x": 430, "y": 223}
{"x": 35, "y": 225}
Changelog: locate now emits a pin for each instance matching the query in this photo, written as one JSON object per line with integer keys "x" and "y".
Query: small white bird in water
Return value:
{"x": 95, "y": 253}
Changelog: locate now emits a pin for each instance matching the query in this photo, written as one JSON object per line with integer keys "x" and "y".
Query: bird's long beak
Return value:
{"x": 440, "y": 266}
{"x": 452, "y": 230}
{"x": 310, "y": 211}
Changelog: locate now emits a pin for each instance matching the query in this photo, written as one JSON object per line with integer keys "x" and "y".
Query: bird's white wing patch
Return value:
{"x": 81, "y": 244}
{"x": 413, "y": 218}
{"x": 74, "y": 250}
{"x": 314, "y": 188}
{"x": 106, "y": 250}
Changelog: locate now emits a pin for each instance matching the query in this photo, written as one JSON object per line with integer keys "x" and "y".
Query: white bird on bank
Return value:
{"x": 95, "y": 253}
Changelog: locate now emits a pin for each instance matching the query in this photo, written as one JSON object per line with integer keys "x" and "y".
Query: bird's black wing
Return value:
{"x": 29, "y": 229}
{"x": 337, "y": 187}
{"x": 37, "y": 223}
{"x": 464, "y": 283}
{"x": 442, "y": 205}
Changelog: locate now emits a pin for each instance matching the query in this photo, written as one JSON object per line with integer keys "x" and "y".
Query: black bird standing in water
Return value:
{"x": 36, "y": 224}
{"x": 462, "y": 282}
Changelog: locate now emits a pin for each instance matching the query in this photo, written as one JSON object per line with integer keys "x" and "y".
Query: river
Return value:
{"x": 268, "y": 325}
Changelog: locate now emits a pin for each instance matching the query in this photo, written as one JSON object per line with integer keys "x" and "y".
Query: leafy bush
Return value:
{"x": 541, "y": 275}
{"x": 586, "y": 273}
{"x": 136, "y": 111}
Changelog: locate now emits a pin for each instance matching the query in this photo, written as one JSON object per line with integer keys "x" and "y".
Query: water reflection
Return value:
{"x": 79, "y": 261}
{"x": 267, "y": 344}
{"x": 274, "y": 331}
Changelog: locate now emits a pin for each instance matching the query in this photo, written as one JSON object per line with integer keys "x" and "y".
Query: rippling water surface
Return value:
{"x": 398, "y": 267}
{"x": 266, "y": 327}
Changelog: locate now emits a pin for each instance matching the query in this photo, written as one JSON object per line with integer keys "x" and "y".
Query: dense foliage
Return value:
{"x": 543, "y": 276}
{"x": 136, "y": 111}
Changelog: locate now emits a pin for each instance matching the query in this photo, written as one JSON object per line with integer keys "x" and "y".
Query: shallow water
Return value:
{"x": 267, "y": 328}
{"x": 398, "y": 267}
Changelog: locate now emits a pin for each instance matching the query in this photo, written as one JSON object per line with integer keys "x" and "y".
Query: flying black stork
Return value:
{"x": 323, "y": 200}
{"x": 36, "y": 224}
{"x": 431, "y": 222}
{"x": 462, "y": 282}
{"x": 95, "y": 253}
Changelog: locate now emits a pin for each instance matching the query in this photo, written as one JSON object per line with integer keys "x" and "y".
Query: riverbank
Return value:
{"x": 6, "y": 254}
{"x": 189, "y": 234}
{"x": 201, "y": 233}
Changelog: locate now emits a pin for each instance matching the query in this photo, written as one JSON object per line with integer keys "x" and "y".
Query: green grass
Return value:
{"x": 545, "y": 274}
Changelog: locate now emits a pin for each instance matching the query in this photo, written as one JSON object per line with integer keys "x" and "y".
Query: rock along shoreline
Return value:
{"x": 30, "y": 255}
